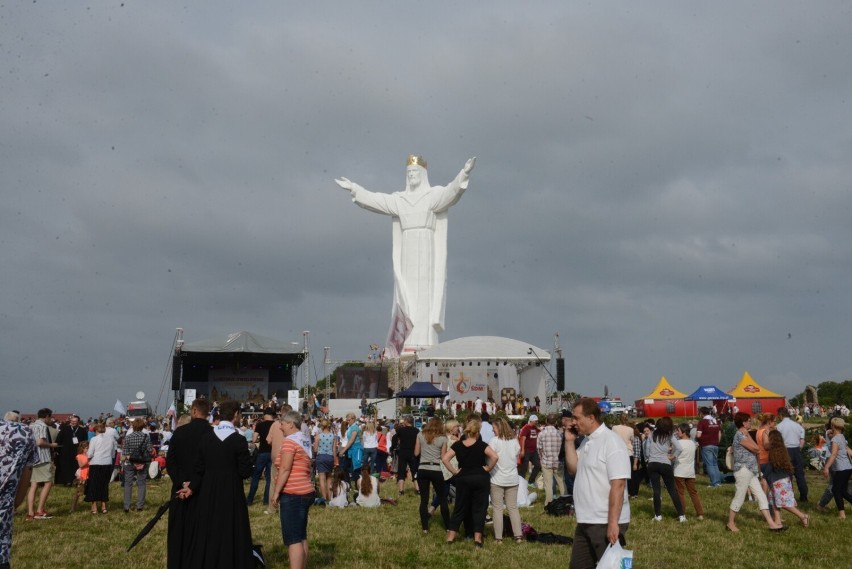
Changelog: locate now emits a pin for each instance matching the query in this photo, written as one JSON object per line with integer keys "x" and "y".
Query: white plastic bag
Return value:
{"x": 616, "y": 557}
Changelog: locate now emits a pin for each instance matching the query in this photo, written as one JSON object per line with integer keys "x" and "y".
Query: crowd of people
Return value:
{"x": 458, "y": 468}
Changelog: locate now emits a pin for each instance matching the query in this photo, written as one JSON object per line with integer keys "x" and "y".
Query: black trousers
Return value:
{"x": 636, "y": 477}
{"x": 530, "y": 458}
{"x": 840, "y": 488}
{"x": 436, "y": 479}
{"x": 472, "y": 494}
{"x": 658, "y": 470}
{"x": 590, "y": 542}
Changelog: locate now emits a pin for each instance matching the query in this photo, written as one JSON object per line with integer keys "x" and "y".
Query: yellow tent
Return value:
{"x": 749, "y": 388}
{"x": 664, "y": 390}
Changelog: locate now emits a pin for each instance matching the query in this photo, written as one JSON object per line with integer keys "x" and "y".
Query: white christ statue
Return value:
{"x": 419, "y": 251}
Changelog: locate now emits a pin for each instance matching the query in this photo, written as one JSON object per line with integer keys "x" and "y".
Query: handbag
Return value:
{"x": 138, "y": 456}
{"x": 729, "y": 458}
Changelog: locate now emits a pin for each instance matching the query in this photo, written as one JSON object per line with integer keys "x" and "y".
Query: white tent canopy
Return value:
{"x": 244, "y": 342}
{"x": 478, "y": 348}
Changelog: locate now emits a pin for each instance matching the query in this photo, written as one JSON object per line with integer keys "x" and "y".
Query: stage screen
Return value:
{"x": 243, "y": 385}
{"x": 361, "y": 382}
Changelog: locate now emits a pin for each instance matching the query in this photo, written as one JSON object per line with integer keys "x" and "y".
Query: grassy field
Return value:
{"x": 390, "y": 536}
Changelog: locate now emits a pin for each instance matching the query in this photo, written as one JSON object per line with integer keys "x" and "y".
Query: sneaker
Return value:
{"x": 43, "y": 516}
{"x": 489, "y": 520}
{"x": 658, "y": 518}
{"x": 682, "y": 519}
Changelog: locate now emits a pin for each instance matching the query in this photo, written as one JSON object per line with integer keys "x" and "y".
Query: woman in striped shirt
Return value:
{"x": 294, "y": 488}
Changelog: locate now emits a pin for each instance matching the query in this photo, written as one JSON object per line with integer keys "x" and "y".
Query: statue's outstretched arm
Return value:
{"x": 377, "y": 202}
{"x": 468, "y": 166}
{"x": 344, "y": 183}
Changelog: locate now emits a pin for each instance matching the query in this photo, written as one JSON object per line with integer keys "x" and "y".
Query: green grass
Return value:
{"x": 390, "y": 536}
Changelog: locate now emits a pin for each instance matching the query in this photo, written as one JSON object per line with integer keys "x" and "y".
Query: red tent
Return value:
{"x": 665, "y": 401}
{"x": 752, "y": 398}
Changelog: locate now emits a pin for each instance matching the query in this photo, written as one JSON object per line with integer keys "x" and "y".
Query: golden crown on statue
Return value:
{"x": 414, "y": 160}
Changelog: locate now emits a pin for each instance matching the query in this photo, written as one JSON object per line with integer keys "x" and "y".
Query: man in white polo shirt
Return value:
{"x": 794, "y": 440}
{"x": 601, "y": 467}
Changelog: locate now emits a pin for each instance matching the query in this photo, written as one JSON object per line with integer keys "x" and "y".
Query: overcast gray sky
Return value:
{"x": 667, "y": 185}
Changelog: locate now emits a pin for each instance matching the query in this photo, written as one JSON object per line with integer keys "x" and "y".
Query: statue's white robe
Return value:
{"x": 419, "y": 253}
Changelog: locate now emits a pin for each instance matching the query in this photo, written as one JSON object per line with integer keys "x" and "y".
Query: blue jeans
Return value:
{"x": 263, "y": 466}
{"x": 569, "y": 482}
{"x": 710, "y": 458}
{"x": 293, "y": 512}
{"x": 370, "y": 458}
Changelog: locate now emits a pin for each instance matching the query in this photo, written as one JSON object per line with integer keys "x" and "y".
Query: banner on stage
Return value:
{"x": 468, "y": 384}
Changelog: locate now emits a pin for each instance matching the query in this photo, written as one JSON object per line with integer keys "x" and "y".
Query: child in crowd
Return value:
{"x": 684, "y": 469}
{"x": 368, "y": 489}
{"x": 339, "y": 489}
{"x": 82, "y": 473}
{"x": 779, "y": 472}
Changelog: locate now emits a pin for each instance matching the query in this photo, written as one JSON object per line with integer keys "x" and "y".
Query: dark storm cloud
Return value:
{"x": 667, "y": 187}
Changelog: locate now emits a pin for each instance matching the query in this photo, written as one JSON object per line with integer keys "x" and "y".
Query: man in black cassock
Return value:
{"x": 180, "y": 463}
{"x": 222, "y": 536}
{"x": 71, "y": 434}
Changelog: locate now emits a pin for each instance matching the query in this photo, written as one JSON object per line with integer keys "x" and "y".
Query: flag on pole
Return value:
{"x": 400, "y": 328}
{"x": 119, "y": 407}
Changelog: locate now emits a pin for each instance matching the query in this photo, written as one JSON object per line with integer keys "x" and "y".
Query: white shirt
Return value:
{"x": 792, "y": 432}
{"x": 102, "y": 450}
{"x": 370, "y": 440}
{"x": 505, "y": 472}
{"x": 112, "y": 432}
{"x": 486, "y": 432}
{"x": 684, "y": 466}
{"x": 370, "y": 501}
{"x": 601, "y": 457}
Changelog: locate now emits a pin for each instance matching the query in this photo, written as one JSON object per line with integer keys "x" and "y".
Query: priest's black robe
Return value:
{"x": 222, "y": 537}
{"x": 66, "y": 463}
{"x": 180, "y": 465}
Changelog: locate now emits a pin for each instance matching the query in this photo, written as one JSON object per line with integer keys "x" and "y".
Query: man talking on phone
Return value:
{"x": 601, "y": 467}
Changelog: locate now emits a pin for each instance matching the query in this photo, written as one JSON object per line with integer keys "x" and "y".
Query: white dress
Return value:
{"x": 340, "y": 500}
{"x": 370, "y": 501}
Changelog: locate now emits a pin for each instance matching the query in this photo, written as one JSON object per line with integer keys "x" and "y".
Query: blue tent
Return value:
{"x": 708, "y": 393}
{"x": 422, "y": 390}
